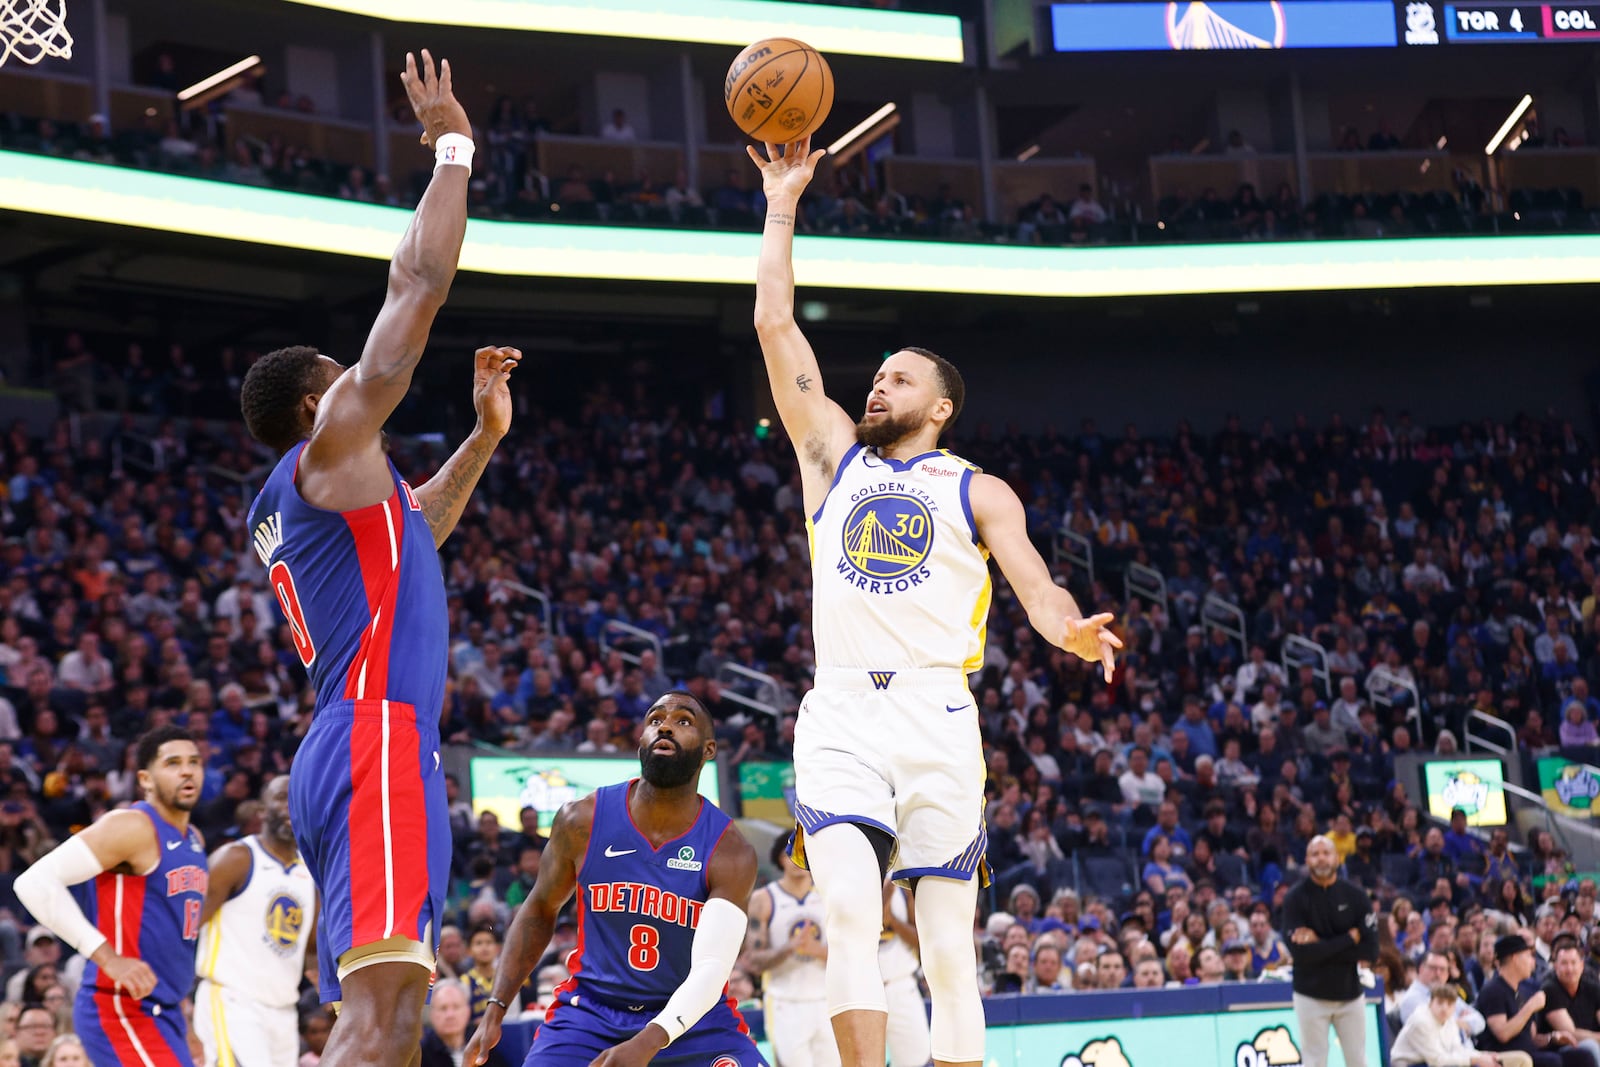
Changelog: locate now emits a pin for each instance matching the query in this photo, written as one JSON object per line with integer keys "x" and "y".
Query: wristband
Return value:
{"x": 453, "y": 150}
{"x": 496, "y": 1000}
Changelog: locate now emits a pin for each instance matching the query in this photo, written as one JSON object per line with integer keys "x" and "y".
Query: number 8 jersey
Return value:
{"x": 900, "y": 578}
{"x": 638, "y": 906}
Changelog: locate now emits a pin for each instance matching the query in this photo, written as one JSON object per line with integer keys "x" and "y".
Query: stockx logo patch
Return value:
{"x": 684, "y": 860}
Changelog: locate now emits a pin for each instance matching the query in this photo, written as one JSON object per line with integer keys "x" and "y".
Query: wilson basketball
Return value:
{"x": 779, "y": 90}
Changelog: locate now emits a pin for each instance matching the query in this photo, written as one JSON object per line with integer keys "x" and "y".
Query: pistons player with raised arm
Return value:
{"x": 663, "y": 878}
{"x": 127, "y": 894}
{"x": 351, "y": 551}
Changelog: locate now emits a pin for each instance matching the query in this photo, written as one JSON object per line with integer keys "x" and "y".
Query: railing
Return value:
{"x": 1301, "y": 651}
{"x": 1528, "y": 811}
{"x": 1218, "y": 614}
{"x": 1142, "y": 580}
{"x": 764, "y": 698}
{"x": 1380, "y": 686}
{"x": 633, "y": 635}
{"x": 1076, "y": 549}
{"x": 1470, "y": 737}
{"x": 134, "y": 450}
{"x": 538, "y": 596}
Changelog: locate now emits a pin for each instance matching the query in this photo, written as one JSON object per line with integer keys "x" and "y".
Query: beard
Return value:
{"x": 669, "y": 770}
{"x": 888, "y": 429}
{"x": 281, "y": 830}
{"x": 174, "y": 801}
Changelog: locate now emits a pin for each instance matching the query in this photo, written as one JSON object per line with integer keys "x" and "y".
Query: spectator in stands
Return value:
{"x": 1510, "y": 1013}
{"x": 1047, "y": 976}
{"x": 1086, "y": 209}
{"x": 36, "y": 1029}
{"x": 1572, "y": 999}
{"x": 1433, "y": 1038}
{"x": 619, "y": 128}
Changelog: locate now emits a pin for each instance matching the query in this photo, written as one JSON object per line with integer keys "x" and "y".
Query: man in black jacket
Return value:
{"x": 1331, "y": 927}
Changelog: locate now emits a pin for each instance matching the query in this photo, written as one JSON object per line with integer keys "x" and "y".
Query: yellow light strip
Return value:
{"x": 844, "y": 30}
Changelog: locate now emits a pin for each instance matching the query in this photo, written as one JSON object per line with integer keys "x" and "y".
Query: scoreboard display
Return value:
{"x": 1240, "y": 25}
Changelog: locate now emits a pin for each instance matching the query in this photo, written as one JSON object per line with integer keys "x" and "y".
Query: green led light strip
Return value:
{"x": 856, "y": 31}
{"x": 97, "y": 193}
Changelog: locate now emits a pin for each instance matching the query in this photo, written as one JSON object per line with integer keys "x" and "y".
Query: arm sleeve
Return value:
{"x": 42, "y": 889}
{"x": 717, "y": 941}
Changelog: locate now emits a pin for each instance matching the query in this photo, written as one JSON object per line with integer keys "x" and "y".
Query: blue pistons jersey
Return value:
{"x": 638, "y": 906}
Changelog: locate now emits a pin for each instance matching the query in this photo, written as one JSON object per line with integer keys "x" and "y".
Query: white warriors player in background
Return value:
{"x": 257, "y": 923}
{"x": 888, "y": 765}
{"x": 784, "y": 945}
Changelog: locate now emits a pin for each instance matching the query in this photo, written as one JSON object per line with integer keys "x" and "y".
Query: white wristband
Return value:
{"x": 453, "y": 150}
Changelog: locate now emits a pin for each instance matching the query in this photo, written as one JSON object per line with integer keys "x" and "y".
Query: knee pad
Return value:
{"x": 950, "y": 964}
{"x": 843, "y": 868}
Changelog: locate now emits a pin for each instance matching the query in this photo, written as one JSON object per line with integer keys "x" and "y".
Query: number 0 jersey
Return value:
{"x": 362, "y": 590}
{"x": 256, "y": 942}
{"x": 638, "y": 906}
{"x": 900, "y": 578}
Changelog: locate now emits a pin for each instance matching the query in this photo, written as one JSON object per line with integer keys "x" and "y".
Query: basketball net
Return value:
{"x": 34, "y": 29}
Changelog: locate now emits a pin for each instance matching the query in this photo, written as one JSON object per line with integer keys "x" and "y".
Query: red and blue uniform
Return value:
{"x": 364, "y": 598}
{"x": 638, "y": 907}
{"x": 153, "y": 917}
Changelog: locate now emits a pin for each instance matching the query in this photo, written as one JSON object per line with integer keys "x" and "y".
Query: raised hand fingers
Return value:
{"x": 444, "y": 77}
{"x": 774, "y": 152}
{"x": 1108, "y": 659}
{"x": 755, "y": 157}
{"x": 430, "y": 78}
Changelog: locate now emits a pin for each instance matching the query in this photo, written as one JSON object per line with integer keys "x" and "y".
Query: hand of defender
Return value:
{"x": 1090, "y": 640}
{"x": 485, "y": 1039}
{"x": 130, "y": 975}
{"x": 432, "y": 99}
{"x": 491, "y": 395}
{"x": 787, "y": 169}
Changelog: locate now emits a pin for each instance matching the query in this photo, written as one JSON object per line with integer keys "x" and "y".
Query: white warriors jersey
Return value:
{"x": 796, "y": 977}
{"x": 900, "y": 579}
{"x": 256, "y": 942}
{"x": 895, "y": 957}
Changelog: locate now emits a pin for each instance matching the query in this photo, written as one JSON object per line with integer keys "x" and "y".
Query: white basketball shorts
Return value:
{"x": 236, "y": 1031}
{"x": 898, "y": 750}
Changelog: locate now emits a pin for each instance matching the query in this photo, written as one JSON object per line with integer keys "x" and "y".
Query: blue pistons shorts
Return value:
{"x": 577, "y": 1028}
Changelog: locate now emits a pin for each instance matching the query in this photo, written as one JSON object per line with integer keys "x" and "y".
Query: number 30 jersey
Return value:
{"x": 900, "y": 578}
{"x": 638, "y": 906}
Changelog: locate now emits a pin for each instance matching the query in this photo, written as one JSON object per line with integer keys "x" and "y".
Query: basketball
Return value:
{"x": 779, "y": 90}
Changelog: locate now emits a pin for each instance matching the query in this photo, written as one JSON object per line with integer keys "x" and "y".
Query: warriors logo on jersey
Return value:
{"x": 887, "y": 540}
{"x": 900, "y": 578}
{"x": 284, "y": 919}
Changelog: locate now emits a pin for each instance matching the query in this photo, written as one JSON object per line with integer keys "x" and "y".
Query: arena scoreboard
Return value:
{"x": 1241, "y": 25}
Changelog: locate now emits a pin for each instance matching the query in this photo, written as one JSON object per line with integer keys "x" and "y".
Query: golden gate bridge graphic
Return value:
{"x": 1201, "y": 28}
{"x": 874, "y": 550}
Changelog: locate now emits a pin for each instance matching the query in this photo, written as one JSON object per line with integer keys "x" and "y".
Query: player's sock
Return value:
{"x": 944, "y": 931}
{"x": 844, "y": 868}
